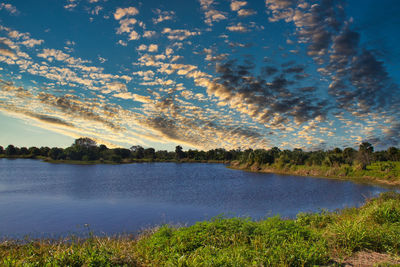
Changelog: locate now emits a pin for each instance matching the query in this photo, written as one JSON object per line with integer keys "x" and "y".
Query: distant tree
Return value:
{"x": 150, "y": 153}
{"x": 1, "y": 150}
{"x": 56, "y": 153}
{"x": 365, "y": 154}
{"x": 298, "y": 156}
{"x": 34, "y": 151}
{"x": 275, "y": 152}
{"x": 137, "y": 152}
{"x": 393, "y": 154}
{"x": 316, "y": 158}
{"x": 44, "y": 151}
{"x": 116, "y": 158}
{"x": 85, "y": 142}
{"x": 162, "y": 155}
{"x": 23, "y": 151}
{"x": 191, "y": 154}
{"x": 263, "y": 156}
{"x": 122, "y": 152}
{"x": 349, "y": 154}
{"x": 337, "y": 150}
{"x": 179, "y": 152}
{"x": 11, "y": 150}
{"x": 102, "y": 148}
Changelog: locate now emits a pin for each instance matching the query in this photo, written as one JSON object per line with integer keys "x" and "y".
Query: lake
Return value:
{"x": 51, "y": 200}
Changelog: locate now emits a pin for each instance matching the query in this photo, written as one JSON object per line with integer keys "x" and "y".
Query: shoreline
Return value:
{"x": 315, "y": 173}
{"x": 109, "y": 162}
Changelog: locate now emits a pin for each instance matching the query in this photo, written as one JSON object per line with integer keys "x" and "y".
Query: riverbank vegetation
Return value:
{"x": 363, "y": 164}
{"x": 358, "y": 236}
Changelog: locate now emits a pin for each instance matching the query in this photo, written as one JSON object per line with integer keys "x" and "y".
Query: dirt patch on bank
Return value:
{"x": 369, "y": 259}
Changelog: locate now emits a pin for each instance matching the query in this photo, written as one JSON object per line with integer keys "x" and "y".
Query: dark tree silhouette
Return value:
{"x": 11, "y": 150}
{"x": 85, "y": 142}
{"x": 365, "y": 154}
{"x": 179, "y": 152}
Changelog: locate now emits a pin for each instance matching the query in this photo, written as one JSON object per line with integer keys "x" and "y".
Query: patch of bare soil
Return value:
{"x": 370, "y": 258}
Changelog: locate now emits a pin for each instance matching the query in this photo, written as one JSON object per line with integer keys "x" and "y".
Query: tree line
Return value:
{"x": 86, "y": 149}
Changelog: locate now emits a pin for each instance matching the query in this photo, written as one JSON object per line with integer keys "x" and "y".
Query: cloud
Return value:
{"x": 120, "y": 42}
{"x": 236, "y": 5}
{"x": 8, "y": 53}
{"x": 75, "y": 107}
{"x": 49, "y": 119}
{"x": 115, "y": 87}
{"x": 32, "y": 42}
{"x": 149, "y": 34}
{"x": 126, "y": 24}
{"x": 10, "y": 8}
{"x": 179, "y": 34}
{"x": 153, "y": 48}
{"x": 246, "y": 12}
{"x": 360, "y": 82}
{"x": 135, "y": 97}
{"x": 211, "y": 14}
{"x": 71, "y": 4}
{"x": 237, "y": 28}
{"x": 51, "y": 54}
{"x": 273, "y": 103}
{"x": 122, "y": 12}
{"x": 163, "y": 16}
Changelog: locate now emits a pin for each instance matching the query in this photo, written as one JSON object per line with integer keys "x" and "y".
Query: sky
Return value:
{"x": 200, "y": 73}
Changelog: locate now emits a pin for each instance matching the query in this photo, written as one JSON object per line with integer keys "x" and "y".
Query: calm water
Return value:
{"x": 41, "y": 199}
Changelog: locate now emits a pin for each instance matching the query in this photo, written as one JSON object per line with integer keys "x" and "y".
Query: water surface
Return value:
{"x": 42, "y": 199}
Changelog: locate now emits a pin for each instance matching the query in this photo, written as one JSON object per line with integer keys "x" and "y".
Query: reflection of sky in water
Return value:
{"x": 39, "y": 198}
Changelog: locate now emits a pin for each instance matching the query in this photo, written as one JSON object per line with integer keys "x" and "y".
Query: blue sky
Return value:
{"x": 202, "y": 73}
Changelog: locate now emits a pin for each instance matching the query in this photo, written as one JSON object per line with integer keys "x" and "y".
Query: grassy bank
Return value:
{"x": 385, "y": 173}
{"x": 363, "y": 236}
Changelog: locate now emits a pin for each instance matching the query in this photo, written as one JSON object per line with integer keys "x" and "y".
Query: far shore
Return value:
{"x": 366, "y": 177}
{"x": 317, "y": 172}
{"x": 109, "y": 162}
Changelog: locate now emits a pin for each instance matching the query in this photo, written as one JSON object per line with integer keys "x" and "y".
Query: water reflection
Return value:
{"x": 38, "y": 198}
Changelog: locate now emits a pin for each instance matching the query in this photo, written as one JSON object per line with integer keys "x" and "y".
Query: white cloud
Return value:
{"x": 163, "y": 16}
{"x": 237, "y": 28}
{"x": 115, "y": 87}
{"x": 179, "y": 34}
{"x": 135, "y": 97}
{"x": 153, "y": 48}
{"x": 32, "y": 42}
{"x": 122, "y": 12}
{"x": 134, "y": 36}
{"x": 122, "y": 43}
{"x": 246, "y": 12}
{"x": 142, "y": 47}
{"x": 125, "y": 25}
{"x": 211, "y": 14}
{"x": 236, "y": 5}
{"x": 9, "y": 7}
{"x": 149, "y": 34}
{"x": 51, "y": 54}
{"x": 8, "y": 53}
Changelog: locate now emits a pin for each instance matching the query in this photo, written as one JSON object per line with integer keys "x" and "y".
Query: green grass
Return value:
{"x": 311, "y": 239}
{"x": 379, "y": 172}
